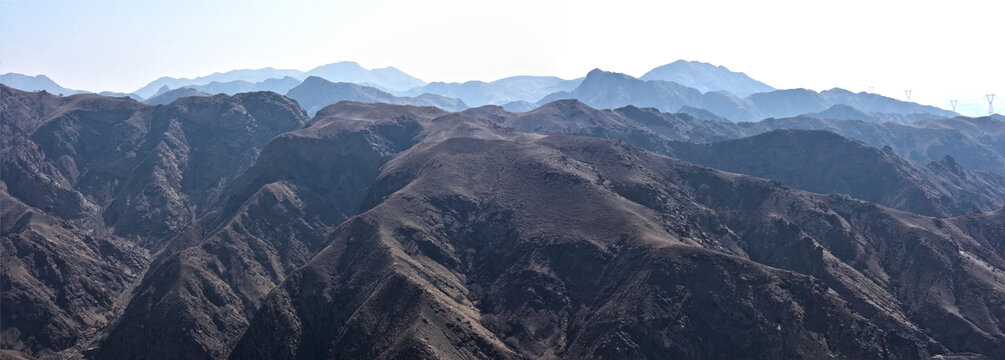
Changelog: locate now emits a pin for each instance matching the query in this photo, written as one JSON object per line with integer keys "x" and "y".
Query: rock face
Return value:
{"x": 236, "y": 227}
{"x": 92, "y": 185}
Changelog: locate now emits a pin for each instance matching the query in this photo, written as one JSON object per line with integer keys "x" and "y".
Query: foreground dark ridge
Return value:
{"x": 471, "y": 240}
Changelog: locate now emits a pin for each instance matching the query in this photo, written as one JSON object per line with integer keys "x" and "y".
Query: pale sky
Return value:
{"x": 940, "y": 50}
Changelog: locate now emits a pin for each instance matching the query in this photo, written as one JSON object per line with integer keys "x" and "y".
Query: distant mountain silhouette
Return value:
{"x": 845, "y": 112}
{"x": 607, "y": 90}
{"x": 249, "y": 75}
{"x": 602, "y": 89}
{"x": 503, "y": 91}
{"x": 119, "y": 94}
{"x": 351, "y": 72}
{"x": 707, "y": 77}
{"x": 170, "y": 96}
{"x": 35, "y": 83}
{"x": 316, "y": 93}
{"x": 280, "y": 86}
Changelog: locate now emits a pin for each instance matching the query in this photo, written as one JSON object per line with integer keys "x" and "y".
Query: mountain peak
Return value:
{"x": 707, "y": 77}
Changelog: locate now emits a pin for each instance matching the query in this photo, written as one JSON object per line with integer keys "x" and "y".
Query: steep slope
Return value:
{"x": 60, "y": 281}
{"x": 707, "y": 77}
{"x": 824, "y": 162}
{"x": 197, "y": 299}
{"x": 105, "y": 181}
{"x": 489, "y": 243}
{"x": 316, "y": 93}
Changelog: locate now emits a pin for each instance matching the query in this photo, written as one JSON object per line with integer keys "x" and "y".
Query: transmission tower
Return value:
{"x": 991, "y": 103}
{"x": 908, "y": 93}
{"x": 953, "y": 104}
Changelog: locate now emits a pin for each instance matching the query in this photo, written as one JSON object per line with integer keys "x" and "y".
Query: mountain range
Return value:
{"x": 345, "y": 71}
{"x": 607, "y": 90}
{"x": 315, "y": 93}
{"x": 350, "y": 213}
{"x": 706, "y": 91}
{"x": 239, "y": 227}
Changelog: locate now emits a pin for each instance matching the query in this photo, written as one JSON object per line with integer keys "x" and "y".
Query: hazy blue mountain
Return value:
{"x": 707, "y": 77}
{"x": 609, "y": 90}
{"x": 315, "y": 93}
{"x": 120, "y": 94}
{"x": 171, "y": 95}
{"x": 845, "y": 112}
{"x": 527, "y": 89}
{"x": 280, "y": 86}
{"x": 701, "y": 114}
{"x": 35, "y": 83}
{"x": 249, "y": 75}
{"x": 351, "y": 72}
{"x": 518, "y": 106}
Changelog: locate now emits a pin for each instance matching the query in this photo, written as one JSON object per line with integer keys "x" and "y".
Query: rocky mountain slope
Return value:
{"x": 93, "y": 185}
{"x": 824, "y": 162}
{"x": 236, "y": 227}
{"x": 973, "y": 142}
{"x": 571, "y": 247}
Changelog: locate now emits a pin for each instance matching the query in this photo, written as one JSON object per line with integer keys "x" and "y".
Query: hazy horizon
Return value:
{"x": 889, "y": 47}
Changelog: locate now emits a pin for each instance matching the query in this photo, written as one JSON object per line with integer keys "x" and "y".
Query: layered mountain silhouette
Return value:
{"x": 511, "y": 90}
{"x": 35, "y": 83}
{"x": 275, "y": 85}
{"x": 236, "y": 226}
{"x": 972, "y": 142}
{"x": 248, "y": 75}
{"x": 707, "y": 77}
{"x": 345, "y": 71}
{"x": 316, "y": 93}
{"x": 607, "y": 90}
{"x": 170, "y": 96}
